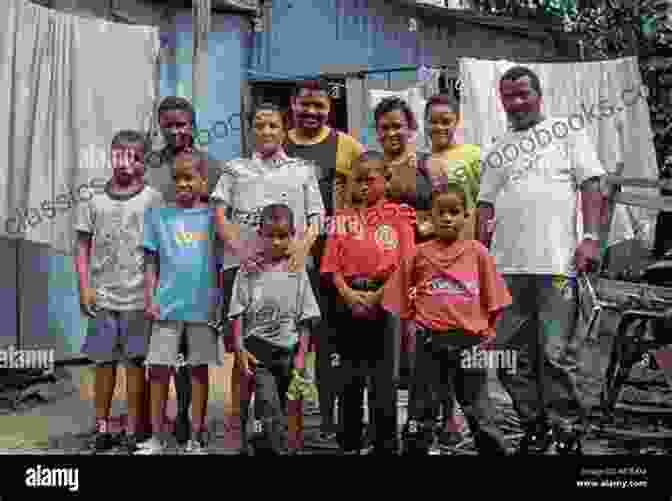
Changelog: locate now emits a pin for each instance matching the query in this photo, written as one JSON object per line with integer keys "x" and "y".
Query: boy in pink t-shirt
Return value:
{"x": 450, "y": 289}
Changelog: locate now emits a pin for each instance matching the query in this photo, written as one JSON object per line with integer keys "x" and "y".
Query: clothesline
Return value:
{"x": 362, "y": 73}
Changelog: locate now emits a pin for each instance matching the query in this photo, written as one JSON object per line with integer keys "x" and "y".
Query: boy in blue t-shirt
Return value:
{"x": 181, "y": 297}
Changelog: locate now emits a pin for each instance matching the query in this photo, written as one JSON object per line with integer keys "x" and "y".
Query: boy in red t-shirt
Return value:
{"x": 365, "y": 246}
{"x": 451, "y": 290}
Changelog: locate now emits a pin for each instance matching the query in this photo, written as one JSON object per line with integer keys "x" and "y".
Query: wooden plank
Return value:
{"x": 202, "y": 13}
{"x": 619, "y": 292}
{"x": 648, "y": 202}
{"x": 635, "y": 182}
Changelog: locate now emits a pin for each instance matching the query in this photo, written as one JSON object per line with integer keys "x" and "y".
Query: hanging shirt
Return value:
{"x": 184, "y": 241}
{"x": 448, "y": 286}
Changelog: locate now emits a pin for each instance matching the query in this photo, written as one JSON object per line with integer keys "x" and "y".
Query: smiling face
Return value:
{"x": 269, "y": 132}
{"x": 521, "y": 102}
{"x": 311, "y": 109}
{"x": 128, "y": 163}
{"x": 190, "y": 183}
{"x": 449, "y": 215}
{"x": 394, "y": 132}
{"x": 442, "y": 122}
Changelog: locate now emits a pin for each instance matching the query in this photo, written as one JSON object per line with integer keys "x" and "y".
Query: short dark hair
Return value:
{"x": 443, "y": 185}
{"x": 442, "y": 100}
{"x": 267, "y": 106}
{"x": 319, "y": 85}
{"x": 176, "y": 103}
{"x": 392, "y": 104}
{"x": 518, "y": 72}
{"x": 277, "y": 213}
{"x": 126, "y": 137}
{"x": 370, "y": 156}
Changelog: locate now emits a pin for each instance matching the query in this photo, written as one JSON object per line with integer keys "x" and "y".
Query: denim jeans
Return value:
{"x": 540, "y": 327}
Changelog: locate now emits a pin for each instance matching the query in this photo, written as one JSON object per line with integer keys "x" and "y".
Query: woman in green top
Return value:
{"x": 459, "y": 162}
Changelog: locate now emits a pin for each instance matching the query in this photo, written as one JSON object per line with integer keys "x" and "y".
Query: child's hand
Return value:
{"x": 252, "y": 264}
{"x": 353, "y": 297}
{"x": 246, "y": 362}
{"x": 488, "y": 343}
{"x": 297, "y": 256}
{"x": 153, "y": 312}
{"x": 87, "y": 301}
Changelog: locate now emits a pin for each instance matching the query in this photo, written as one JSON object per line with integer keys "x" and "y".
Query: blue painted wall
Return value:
{"x": 306, "y": 34}
{"x": 218, "y": 113}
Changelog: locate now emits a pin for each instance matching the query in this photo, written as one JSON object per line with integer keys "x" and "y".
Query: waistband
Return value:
{"x": 365, "y": 283}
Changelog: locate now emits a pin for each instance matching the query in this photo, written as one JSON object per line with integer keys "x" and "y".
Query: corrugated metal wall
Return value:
{"x": 309, "y": 37}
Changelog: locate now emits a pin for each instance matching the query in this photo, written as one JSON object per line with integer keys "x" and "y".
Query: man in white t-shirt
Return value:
{"x": 528, "y": 200}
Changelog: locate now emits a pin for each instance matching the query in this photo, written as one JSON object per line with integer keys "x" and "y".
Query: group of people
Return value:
{"x": 314, "y": 243}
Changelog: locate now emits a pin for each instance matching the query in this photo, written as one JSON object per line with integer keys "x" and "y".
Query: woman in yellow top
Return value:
{"x": 459, "y": 162}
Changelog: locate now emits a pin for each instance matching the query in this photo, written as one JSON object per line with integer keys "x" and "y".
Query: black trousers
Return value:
{"x": 438, "y": 372}
{"x": 325, "y": 334}
{"x": 366, "y": 349}
{"x": 272, "y": 379}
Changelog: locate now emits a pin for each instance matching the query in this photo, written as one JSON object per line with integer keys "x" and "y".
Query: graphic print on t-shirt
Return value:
{"x": 387, "y": 237}
{"x": 448, "y": 289}
{"x": 119, "y": 244}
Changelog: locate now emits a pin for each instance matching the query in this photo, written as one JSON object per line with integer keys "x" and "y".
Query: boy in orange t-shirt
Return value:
{"x": 365, "y": 247}
{"x": 449, "y": 287}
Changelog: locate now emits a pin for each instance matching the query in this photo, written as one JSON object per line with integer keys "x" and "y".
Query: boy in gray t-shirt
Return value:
{"x": 271, "y": 311}
{"x": 110, "y": 228}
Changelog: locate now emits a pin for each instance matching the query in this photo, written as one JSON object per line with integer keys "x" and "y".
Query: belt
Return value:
{"x": 366, "y": 284}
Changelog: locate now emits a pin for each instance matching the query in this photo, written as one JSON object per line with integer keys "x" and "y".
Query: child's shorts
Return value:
{"x": 202, "y": 346}
{"x": 119, "y": 336}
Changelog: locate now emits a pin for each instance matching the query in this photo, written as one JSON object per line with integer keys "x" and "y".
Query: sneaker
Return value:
{"x": 195, "y": 446}
{"x": 150, "y": 447}
{"x": 535, "y": 443}
{"x": 326, "y": 436}
{"x": 131, "y": 442}
{"x": 450, "y": 438}
{"x": 567, "y": 442}
{"x": 103, "y": 442}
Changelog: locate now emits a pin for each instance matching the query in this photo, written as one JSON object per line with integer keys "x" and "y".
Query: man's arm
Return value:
{"x": 83, "y": 259}
{"x": 592, "y": 206}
